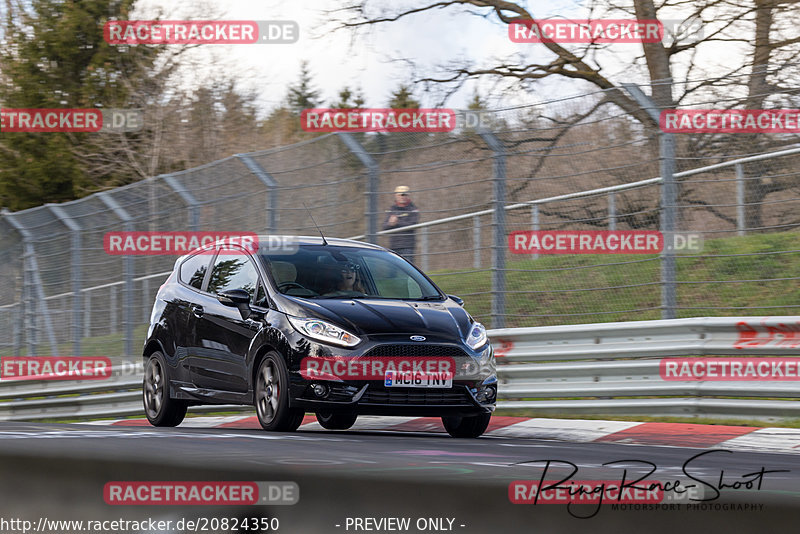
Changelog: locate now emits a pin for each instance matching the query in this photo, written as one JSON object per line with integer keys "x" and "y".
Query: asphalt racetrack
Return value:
{"x": 59, "y": 471}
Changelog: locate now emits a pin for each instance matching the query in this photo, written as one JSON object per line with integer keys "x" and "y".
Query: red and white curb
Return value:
{"x": 692, "y": 435}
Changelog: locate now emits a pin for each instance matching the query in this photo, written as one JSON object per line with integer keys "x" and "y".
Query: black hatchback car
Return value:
{"x": 335, "y": 327}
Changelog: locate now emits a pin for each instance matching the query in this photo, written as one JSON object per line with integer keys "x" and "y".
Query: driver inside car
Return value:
{"x": 347, "y": 279}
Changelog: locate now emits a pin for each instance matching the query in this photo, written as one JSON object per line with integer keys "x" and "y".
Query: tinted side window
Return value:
{"x": 233, "y": 271}
{"x": 193, "y": 270}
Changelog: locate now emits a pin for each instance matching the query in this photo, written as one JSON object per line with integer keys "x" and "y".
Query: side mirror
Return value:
{"x": 236, "y": 298}
{"x": 457, "y": 300}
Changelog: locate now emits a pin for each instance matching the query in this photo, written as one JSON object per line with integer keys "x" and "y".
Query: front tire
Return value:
{"x": 160, "y": 409}
{"x": 467, "y": 427}
{"x": 272, "y": 396}
{"x": 336, "y": 421}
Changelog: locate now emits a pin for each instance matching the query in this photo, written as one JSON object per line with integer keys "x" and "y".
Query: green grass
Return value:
{"x": 554, "y": 290}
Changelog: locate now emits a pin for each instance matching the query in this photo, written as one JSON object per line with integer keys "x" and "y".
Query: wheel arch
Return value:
{"x": 152, "y": 346}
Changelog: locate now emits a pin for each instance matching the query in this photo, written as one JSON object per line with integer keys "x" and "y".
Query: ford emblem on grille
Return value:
{"x": 417, "y": 338}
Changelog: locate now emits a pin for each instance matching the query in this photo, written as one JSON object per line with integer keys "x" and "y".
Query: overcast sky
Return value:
{"x": 335, "y": 61}
{"x": 372, "y": 61}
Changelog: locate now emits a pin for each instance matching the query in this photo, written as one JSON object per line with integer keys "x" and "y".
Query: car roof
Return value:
{"x": 300, "y": 239}
{"x": 316, "y": 240}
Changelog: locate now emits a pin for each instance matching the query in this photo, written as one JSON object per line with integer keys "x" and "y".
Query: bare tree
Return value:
{"x": 762, "y": 31}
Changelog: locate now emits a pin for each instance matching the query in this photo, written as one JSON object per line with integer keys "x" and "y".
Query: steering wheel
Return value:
{"x": 289, "y": 285}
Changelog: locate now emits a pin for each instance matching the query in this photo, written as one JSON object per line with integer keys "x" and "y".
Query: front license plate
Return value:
{"x": 410, "y": 379}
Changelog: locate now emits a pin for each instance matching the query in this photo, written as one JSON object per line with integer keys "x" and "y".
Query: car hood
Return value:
{"x": 444, "y": 320}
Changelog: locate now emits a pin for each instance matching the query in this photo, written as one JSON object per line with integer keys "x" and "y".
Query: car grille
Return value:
{"x": 456, "y": 396}
{"x": 419, "y": 349}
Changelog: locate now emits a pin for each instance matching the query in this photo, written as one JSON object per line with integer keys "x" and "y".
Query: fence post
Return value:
{"x": 372, "y": 183}
{"x": 112, "y": 308}
{"x": 87, "y": 313}
{"x": 30, "y": 302}
{"x": 741, "y": 223}
{"x": 35, "y": 288}
{"x": 146, "y": 300}
{"x": 75, "y": 257}
{"x": 535, "y": 225}
{"x": 16, "y": 328}
{"x": 669, "y": 197}
{"x": 187, "y": 197}
{"x": 424, "y": 260}
{"x": 127, "y": 270}
{"x": 498, "y": 230}
{"x": 476, "y": 242}
{"x": 272, "y": 188}
{"x": 612, "y": 211}
{"x": 19, "y": 322}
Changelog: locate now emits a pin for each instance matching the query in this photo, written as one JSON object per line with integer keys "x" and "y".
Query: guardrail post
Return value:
{"x": 32, "y": 285}
{"x": 272, "y": 188}
{"x": 499, "y": 230}
{"x": 669, "y": 197}
{"x": 75, "y": 258}
{"x": 372, "y": 183}
{"x": 741, "y": 221}
{"x": 127, "y": 269}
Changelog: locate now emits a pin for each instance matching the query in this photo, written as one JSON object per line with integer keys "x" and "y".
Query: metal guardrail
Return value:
{"x": 601, "y": 369}
{"x": 590, "y": 369}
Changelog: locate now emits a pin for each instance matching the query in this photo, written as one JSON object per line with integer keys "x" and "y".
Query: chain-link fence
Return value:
{"x": 573, "y": 164}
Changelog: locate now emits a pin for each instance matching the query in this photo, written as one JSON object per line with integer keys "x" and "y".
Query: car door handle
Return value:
{"x": 197, "y": 310}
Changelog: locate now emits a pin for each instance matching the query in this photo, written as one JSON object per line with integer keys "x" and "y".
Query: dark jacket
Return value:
{"x": 406, "y": 216}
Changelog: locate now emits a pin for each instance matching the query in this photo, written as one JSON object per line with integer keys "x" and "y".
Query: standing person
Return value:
{"x": 402, "y": 213}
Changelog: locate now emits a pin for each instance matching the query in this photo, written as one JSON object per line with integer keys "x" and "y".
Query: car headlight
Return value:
{"x": 477, "y": 336}
{"x": 324, "y": 331}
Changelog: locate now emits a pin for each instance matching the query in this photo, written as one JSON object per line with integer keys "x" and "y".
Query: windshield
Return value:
{"x": 328, "y": 271}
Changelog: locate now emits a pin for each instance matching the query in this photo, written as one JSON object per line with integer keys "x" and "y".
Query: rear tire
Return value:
{"x": 160, "y": 409}
{"x": 336, "y": 421}
{"x": 272, "y": 396}
{"x": 467, "y": 427}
